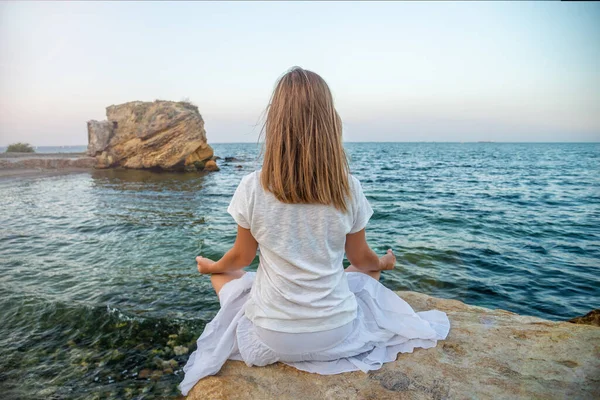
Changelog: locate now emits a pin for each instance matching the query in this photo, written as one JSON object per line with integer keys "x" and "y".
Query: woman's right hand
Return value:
{"x": 388, "y": 261}
{"x": 204, "y": 265}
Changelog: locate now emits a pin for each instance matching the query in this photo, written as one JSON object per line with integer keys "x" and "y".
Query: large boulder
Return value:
{"x": 161, "y": 134}
{"x": 489, "y": 354}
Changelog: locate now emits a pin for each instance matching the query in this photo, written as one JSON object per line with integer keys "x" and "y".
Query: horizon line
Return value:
{"x": 397, "y": 141}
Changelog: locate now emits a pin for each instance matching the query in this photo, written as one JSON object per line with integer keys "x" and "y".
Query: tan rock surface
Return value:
{"x": 211, "y": 166}
{"x": 591, "y": 318}
{"x": 161, "y": 134}
{"x": 202, "y": 153}
{"x": 489, "y": 354}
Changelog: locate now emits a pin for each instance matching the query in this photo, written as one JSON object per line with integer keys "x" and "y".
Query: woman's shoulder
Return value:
{"x": 355, "y": 184}
{"x": 353, "y": 180}
{"x": 250, "y": 180}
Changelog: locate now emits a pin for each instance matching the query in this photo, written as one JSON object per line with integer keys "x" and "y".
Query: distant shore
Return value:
{"x": 20, "y": 156}
{"x": 18, "y": 165}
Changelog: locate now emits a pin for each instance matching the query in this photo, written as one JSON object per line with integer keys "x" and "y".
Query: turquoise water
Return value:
{"x": 98, "y": 280}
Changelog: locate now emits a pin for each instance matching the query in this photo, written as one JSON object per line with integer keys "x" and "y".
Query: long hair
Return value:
{"x": 304, "y": 159}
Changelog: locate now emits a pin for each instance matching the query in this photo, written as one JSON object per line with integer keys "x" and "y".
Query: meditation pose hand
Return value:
{"x": 388, "y": 261}
{"x": 204, "y": 265}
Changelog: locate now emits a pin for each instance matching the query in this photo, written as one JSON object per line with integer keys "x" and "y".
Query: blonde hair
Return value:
{"x": 304, "y": 158}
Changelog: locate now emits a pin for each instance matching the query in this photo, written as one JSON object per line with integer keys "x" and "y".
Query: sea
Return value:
{"x": 100, "y": 296}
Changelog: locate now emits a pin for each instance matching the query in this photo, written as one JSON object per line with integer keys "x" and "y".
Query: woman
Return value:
{"x": 305, "y": 211}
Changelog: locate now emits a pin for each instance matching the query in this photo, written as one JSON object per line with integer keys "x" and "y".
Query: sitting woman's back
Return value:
{"x": 299, "y": 208}
{"x": 300, "y": 285}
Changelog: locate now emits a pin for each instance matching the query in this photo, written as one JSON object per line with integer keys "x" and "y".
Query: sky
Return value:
{"x": 399, "y": 71}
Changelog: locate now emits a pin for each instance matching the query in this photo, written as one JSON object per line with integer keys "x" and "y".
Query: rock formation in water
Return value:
{"x": 489, "y": 354}
{"x": 161, "y": 134}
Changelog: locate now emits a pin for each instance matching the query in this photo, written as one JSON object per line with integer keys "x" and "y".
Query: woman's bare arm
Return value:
{"x": 239, "y": 256}
{"x": 363, "y": 258}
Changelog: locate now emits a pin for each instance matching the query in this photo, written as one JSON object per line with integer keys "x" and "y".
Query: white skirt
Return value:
{"x": 385, "y": 326}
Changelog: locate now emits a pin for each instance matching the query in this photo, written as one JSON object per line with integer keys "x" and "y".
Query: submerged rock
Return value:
{"x": 180, "y": 350}
{"x": 156, "y": 375}
{"x": 492, "y": 354}
{"x": 144, "y": 374}
{"x": 161, "y": 134}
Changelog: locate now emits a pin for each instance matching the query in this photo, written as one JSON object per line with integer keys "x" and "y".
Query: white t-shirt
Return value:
{"x": 300, "y": 284}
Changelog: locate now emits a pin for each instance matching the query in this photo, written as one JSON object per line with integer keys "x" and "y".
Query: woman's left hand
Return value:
{"x": 204, "y": 265}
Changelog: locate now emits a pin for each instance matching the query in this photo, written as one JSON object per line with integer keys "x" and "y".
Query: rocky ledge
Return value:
{"x": 161, "y": 134}
{"x": 45, "y": 161}
{"x": 489, "y": 354}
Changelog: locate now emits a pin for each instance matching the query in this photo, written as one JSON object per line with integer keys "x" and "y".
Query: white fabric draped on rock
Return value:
{"x": 385, "y": 326}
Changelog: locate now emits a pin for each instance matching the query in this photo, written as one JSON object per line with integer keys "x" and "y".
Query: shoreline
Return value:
{"x": 20, "y": 165}
{"x": 8, "y": 156}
